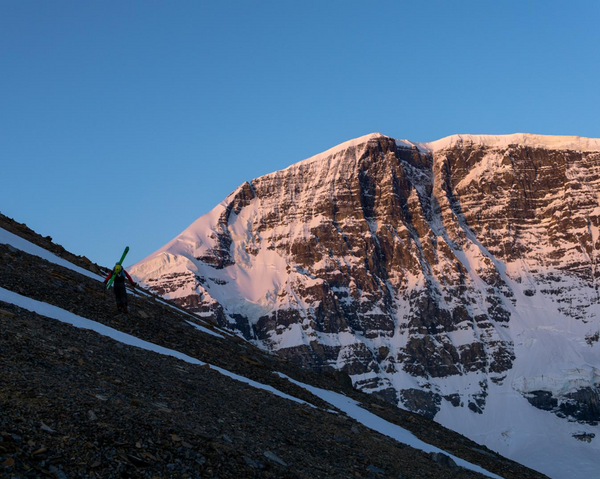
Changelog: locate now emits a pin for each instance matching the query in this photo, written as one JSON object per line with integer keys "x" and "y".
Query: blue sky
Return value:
{"x": 123, "y": 122}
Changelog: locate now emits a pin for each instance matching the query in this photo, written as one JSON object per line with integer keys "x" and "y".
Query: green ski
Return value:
{"x": 112, "y": 278}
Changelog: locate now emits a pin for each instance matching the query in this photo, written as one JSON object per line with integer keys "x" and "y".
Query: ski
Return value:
{"x": 112, "y": 278}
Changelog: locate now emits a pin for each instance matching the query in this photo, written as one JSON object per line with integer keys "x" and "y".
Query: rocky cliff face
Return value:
{"x": 439, "y": 276}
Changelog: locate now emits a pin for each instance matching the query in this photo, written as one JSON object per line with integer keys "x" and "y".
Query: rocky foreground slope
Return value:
{"x": 457, "y": 279}
{"x": 78, "y": 403}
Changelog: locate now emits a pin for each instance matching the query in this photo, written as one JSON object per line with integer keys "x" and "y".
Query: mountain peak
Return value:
{"x": 442, "y": 283}
{"x": 361, "y": 140}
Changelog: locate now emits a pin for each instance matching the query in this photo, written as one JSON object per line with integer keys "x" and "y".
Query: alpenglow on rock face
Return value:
{"x": 457, "y": 278}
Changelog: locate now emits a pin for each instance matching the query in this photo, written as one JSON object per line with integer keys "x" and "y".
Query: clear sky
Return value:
{"x": 121, "y": 122}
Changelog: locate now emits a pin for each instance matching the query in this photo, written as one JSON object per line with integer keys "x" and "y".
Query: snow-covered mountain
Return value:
{"x": 456, "y": 278}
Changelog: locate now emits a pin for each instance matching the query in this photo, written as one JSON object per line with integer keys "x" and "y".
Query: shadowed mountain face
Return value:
{"x": 436, "y": 275}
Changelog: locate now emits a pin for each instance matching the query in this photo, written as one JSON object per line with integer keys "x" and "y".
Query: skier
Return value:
{"x": 119, "y": 284}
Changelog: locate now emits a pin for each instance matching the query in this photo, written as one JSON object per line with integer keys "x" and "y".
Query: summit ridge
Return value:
{"x": 553, "y": 142}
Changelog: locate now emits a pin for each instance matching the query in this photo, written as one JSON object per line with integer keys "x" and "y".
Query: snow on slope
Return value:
{"x": 64, "y": 316}
{"x": 22, "y": 244}
{"x": 549, "y": 356}
{"x": 336, "y": 400}
{"x": 7, "y": 237}
{"x": 353, "y": 409}
{"x": 177, "y": 254}
{"x": 237, "y": 285}
{"x": 205, "y": 330}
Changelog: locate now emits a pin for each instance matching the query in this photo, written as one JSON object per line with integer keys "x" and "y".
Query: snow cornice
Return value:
{"x": 549, "y": 142}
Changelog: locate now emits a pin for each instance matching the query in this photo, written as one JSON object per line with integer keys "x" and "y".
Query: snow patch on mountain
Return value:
{"x": 550, "y": 357}
{"x": 353, "y": 409}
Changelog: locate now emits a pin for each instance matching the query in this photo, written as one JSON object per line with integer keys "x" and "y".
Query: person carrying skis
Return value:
{"x": 119, "y": 284}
